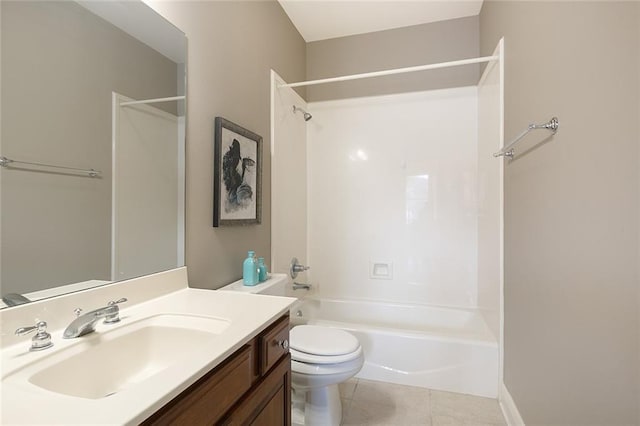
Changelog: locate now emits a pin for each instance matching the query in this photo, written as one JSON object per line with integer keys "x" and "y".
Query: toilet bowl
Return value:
{"x": 321, "y": 358}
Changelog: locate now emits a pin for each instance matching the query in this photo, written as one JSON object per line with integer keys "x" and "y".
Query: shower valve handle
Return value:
{"x": 300, "y": 268}
{"x": 296, "y": 268}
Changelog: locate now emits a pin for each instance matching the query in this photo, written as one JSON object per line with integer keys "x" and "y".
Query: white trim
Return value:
{"x": 272, "y": 132}
{"x": 500, "y": 50}
{"x": 182, "y": 188}
{"x": 509, "y": 408}
{"x": 115, "y": 117}
{"x": 394, "y": 71}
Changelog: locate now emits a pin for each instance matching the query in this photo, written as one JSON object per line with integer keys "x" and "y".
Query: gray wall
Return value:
{"x": 571, "y": 209}
{"x": 60, "y": 64}
{"x": 403, "y": 47}
{"x": 232, "y": 47}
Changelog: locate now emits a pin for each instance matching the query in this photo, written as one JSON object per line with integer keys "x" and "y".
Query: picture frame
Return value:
{"x": 237, "y": 175}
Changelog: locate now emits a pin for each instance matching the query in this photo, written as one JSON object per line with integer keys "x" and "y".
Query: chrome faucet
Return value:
{"x": 86, "y": 323}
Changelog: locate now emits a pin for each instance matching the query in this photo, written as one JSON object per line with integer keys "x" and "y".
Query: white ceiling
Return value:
{"x": 323, "y": 19}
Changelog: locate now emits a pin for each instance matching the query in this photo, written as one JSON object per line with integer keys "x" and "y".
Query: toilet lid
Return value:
{"x": 323, "y": 341}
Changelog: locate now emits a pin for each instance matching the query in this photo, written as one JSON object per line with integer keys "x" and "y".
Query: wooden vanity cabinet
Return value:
{"x": 251, "y": 387}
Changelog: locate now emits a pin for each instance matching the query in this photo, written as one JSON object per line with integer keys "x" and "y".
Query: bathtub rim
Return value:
{"x": 483, "y": 337}
{"x": 395, "y": 303}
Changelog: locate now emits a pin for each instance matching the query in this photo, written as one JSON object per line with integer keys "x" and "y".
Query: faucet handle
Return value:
{"x": 26, "y": 330}
{"x": 42, "y": 339}
{"x": 114, "y": 316}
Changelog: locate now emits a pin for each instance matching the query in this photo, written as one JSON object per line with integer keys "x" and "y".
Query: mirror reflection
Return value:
{"x": 92, "y": 145}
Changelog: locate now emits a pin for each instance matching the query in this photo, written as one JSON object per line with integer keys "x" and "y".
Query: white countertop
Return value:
{"x": 276, "y": 285}
{"x": 25, "y": 403}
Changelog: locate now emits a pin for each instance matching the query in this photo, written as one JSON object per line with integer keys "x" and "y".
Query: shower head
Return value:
{"x": 305, "y": 114}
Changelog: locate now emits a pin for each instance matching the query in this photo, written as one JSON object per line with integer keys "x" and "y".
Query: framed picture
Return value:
{"x": 237, "y": 186}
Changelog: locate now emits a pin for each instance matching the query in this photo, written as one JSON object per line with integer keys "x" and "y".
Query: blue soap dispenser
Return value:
{"x": 250, "y": 269}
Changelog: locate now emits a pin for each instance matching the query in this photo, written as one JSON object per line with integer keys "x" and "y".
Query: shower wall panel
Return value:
{"x": 288, "y": 178}
{"x": 490, "y": 196}
{"x": 392, "y": 187}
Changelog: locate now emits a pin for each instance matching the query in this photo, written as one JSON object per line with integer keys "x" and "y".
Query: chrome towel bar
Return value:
{"x": 508, "y": 151}
{"x": 7, "y": 162}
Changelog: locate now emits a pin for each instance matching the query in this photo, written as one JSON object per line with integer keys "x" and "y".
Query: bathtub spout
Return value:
{"x": 300, "y": 286}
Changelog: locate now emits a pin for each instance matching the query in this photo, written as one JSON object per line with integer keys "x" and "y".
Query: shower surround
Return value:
{"x": 398, "y": 203}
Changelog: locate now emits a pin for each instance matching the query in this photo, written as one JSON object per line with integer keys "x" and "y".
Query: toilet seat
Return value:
{"x": 347, "y": 367}
{"x": 323, "y": 359}
{"x": 322, "y": 341}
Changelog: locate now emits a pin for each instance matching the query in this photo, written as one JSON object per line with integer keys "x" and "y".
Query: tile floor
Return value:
{"x": 366, "y": 402}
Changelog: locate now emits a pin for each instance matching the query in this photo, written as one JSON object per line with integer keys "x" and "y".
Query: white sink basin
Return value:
{"x": 107, "y": 362}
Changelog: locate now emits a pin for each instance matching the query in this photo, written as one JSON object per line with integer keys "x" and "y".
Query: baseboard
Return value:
{"x": 509, "y": 408}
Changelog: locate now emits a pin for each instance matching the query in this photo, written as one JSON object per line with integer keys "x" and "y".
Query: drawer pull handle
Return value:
{"x": 284, "y": 344}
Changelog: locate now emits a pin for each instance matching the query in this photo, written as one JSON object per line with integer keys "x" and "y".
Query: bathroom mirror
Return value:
{"x": 92, "y": 181}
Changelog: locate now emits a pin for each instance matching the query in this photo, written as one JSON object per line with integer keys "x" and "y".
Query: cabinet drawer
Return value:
{"x": 207, "y": 400}
{"x": 274, "y": 343}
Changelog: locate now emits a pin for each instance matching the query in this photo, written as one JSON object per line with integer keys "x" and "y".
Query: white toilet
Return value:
{"x": 321, "y": 357}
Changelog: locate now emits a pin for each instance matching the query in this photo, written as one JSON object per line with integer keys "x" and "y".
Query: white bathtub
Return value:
{"x": 438, "y": 348}
{"x": 419, "y": 345}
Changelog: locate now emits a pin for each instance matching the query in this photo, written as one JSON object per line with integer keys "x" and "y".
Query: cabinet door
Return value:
{"x": 269, "y": 403}
{"x": 206, "y": 401}
{"x": 274, "y": 412}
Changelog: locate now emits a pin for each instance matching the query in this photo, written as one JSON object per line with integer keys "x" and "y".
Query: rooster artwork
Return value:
{"x": 237, "y": 179}
{"x": 234, "y": 170}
